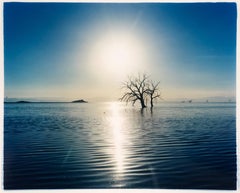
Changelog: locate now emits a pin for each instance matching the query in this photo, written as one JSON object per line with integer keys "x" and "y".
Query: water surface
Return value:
{"x": 110, "y": 145}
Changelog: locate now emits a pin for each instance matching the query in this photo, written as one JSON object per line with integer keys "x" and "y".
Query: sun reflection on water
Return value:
{"x": 116, "y": 122}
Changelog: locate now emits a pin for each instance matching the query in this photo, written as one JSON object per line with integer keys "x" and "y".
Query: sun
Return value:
{"x": 117, "y": 54}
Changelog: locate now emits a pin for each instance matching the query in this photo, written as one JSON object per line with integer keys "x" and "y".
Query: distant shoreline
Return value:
{"x": 25, "y": 102}
{"x": 35, "y": 102}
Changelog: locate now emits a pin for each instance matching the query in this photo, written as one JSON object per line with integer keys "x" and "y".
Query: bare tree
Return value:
{"x": 135, "y": 89}
{"x": 153, "y": 91}
{"x": 140, "y": 88}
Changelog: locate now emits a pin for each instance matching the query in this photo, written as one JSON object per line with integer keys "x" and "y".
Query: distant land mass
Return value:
{"x": 69, "y": 100}
{"x": 79, "y": 101}
{"x": 23, "y": 102}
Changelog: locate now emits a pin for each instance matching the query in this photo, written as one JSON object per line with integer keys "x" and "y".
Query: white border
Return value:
{"x": 117, "y": 190}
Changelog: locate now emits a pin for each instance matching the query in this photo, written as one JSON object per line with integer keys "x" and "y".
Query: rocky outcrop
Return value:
{"x": 79, "y": 101}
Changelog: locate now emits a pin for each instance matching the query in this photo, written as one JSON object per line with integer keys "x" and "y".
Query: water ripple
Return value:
{"x": 113, "y": 146}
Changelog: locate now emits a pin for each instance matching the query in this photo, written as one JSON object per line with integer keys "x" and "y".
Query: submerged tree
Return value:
{"x": 153, "y": 91}
{"x": 135, "y": 89}
{"x": 139, "y": 89}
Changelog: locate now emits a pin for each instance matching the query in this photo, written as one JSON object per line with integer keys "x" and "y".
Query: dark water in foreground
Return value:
{"x": 109, "y": 145}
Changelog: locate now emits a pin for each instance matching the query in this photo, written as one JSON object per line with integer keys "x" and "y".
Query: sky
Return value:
{"x": 86, "y": 50}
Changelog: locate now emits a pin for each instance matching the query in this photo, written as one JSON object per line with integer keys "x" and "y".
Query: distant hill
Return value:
{"x": 17, "y": 102}
{"x": 23, "y": 102}
{"x": 79, "y": 101}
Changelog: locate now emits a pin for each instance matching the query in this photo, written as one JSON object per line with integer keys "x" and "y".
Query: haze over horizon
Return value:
{"x": 85, "y": 50}
{"x": 99, "y": 99}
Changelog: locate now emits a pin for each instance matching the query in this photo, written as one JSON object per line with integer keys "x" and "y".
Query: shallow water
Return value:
{"x": 109, "y": 145}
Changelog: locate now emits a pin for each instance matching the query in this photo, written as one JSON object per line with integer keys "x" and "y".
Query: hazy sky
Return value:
{"x": 83, "y": 50}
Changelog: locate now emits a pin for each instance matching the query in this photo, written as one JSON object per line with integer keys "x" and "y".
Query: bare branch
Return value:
{"x": 139, "y": 88}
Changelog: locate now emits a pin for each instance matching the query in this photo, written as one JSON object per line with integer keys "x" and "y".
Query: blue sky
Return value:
{"x": 53, "y": 49}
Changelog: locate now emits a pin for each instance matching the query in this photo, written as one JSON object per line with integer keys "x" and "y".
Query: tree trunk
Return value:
{"x": 151, "y": 99}
{"x": 142, "y": 103}
{"x": 151, "y": 102}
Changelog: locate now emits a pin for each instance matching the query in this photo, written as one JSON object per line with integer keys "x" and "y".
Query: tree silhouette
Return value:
{"x": 139, "y": 89}
{"x": 135, "y": 89}
{"x": 153, "y": 91}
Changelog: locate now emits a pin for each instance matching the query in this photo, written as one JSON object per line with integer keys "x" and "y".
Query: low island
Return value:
{"x": 23, "y": 102}
{"x": 79, "y": 101}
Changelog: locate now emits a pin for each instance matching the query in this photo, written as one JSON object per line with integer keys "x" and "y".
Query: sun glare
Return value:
{"x": 118, "y": 53}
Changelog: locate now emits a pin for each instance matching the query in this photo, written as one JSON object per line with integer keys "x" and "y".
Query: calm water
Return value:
{"x": 109, "y": 145}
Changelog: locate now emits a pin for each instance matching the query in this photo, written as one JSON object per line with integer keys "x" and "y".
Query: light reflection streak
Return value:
{"x": 116, "y": 122}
